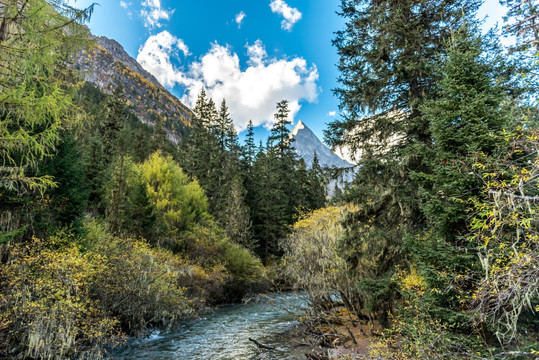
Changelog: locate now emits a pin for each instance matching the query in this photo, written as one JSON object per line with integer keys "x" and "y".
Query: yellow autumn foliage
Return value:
{"x": 61, "y": 300}
{"x": 311, "y": 258}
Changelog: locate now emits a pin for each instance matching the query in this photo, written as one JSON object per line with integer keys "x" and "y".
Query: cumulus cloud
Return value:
{"x": 290, "y": 15}
{"x": 332, "y": 113}
{"x": 123, "y": 4}
{"x": 155, "y": 56}
{"x": 152, "y": 13}
{"x": 256, "y": 53}
{"x": 239, "y": 18}
{"x": 251, "y": 93}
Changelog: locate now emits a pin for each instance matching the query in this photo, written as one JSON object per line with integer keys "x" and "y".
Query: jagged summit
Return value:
{"x": 306, "y": 144}
{"x": 108, "y": 65}
{"x": 299, "y": 126}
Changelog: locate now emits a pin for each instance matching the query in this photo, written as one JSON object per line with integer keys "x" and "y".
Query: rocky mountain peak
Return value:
{"x": 306, "y": 144}
{"x": 107, "y": 65}
{"x": 299, "y": 126}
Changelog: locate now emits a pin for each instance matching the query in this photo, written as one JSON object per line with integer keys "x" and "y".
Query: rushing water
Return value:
{"x": 224, "y": 334}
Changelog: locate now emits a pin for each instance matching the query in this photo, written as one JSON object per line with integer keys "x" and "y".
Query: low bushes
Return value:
{"x": 63, "y": 297}
{"x": 242, "y": 273}
{"x": 47, "y": 307}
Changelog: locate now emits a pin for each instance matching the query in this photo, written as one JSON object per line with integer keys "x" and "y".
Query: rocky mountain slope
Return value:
{"x": 306, "y": 144}
{"x": 108, "y": 65}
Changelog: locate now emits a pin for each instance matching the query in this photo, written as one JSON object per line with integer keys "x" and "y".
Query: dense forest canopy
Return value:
{"x": 109, "y": 229}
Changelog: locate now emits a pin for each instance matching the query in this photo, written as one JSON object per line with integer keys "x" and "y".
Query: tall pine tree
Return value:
{"x": 388, "y": 52}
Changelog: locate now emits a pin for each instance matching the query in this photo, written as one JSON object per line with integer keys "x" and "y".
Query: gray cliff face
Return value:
{"x": 108, "y": 65}
{"x": 306, "y": 144}
{"x": 118, "y": 52}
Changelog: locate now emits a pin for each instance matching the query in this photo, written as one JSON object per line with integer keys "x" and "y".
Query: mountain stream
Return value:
{"x": 224, "y": 333}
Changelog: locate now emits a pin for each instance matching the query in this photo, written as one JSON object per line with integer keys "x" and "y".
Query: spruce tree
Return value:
{"x": 67, "y": 202}
{"x": 94, "y": 161}
{"x": 160, "y": 136}
{"x": 117, "y": 192}
{"x": 114, "y": 118}
{"x": 247, "y": 172}
{"x": 317, "y": 191}
{"x": 388, "y": 52}
{"x": 229, "y": 199}
{"x": 268, "y": 212}
{"x": 141, "y": 214}
{"x": 279, "y": 132}
{"x": 249, "y": 149}
{"x": 302, "y": 199}
{"x": 285, "y": 163}
{"x": 280, "y": 184}
{"x": 522, "y": 21}
{"x": 467, "y": 117}
{"x": 224, "y": 129}
{"x": 198, "y": 148}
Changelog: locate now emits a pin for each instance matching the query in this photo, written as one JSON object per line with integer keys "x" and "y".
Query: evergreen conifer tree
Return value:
{"x": 95, "y": 169}
{"x": 114, "y": 117}
{"x": 318, "y": 184}
{"x": 523, "y": 21}
{"x": 160, "y": 137}
{"x": 279, "y": 132}
{"x": 388, "y": 51}
{"x": 249, "y": 149}
{"x": 467, "y": 117}
{"x": 269, "y": 208}
{"x": 68, "y": 201}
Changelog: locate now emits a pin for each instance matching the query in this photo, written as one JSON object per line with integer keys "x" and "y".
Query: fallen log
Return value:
{"x": 261, "y": 346}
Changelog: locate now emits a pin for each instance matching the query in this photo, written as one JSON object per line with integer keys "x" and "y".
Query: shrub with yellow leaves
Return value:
{"x": 61, "y": 300}
{"x": 46, "y": 307}
{"x": 505, "y": 229}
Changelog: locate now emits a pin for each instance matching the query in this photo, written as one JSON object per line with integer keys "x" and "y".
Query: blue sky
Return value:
{"x": 252, "y": 52}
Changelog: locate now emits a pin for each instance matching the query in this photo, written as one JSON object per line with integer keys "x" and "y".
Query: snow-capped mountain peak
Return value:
{"x": 306, "y": 144}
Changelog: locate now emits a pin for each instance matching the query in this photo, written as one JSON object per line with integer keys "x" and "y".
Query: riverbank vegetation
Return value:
{"x": 108, "y": 228}
{"x": 436, "y": 238}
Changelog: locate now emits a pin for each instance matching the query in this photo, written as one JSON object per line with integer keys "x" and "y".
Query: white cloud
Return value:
{"x": 256, "y": 53}
{"x": 332, "y": 113}
{"x": 291, "y": 15}
{"x": 239, "y": 18}
{"x": 127, "y": 6}
{"x": 250, "y": 93}
{"x": 155, "y": 55}
{"x": 153, "y": 14}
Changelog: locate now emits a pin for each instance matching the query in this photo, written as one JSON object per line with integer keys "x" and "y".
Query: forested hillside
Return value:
{"x": 108, "y": 228}
{"x": 105, "y": 64}
{"x": 123, "y": 212}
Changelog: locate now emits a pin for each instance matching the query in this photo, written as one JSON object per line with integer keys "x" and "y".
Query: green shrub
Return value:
{"x": 209, "y": 247}
{"x": 138, "y": 285}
